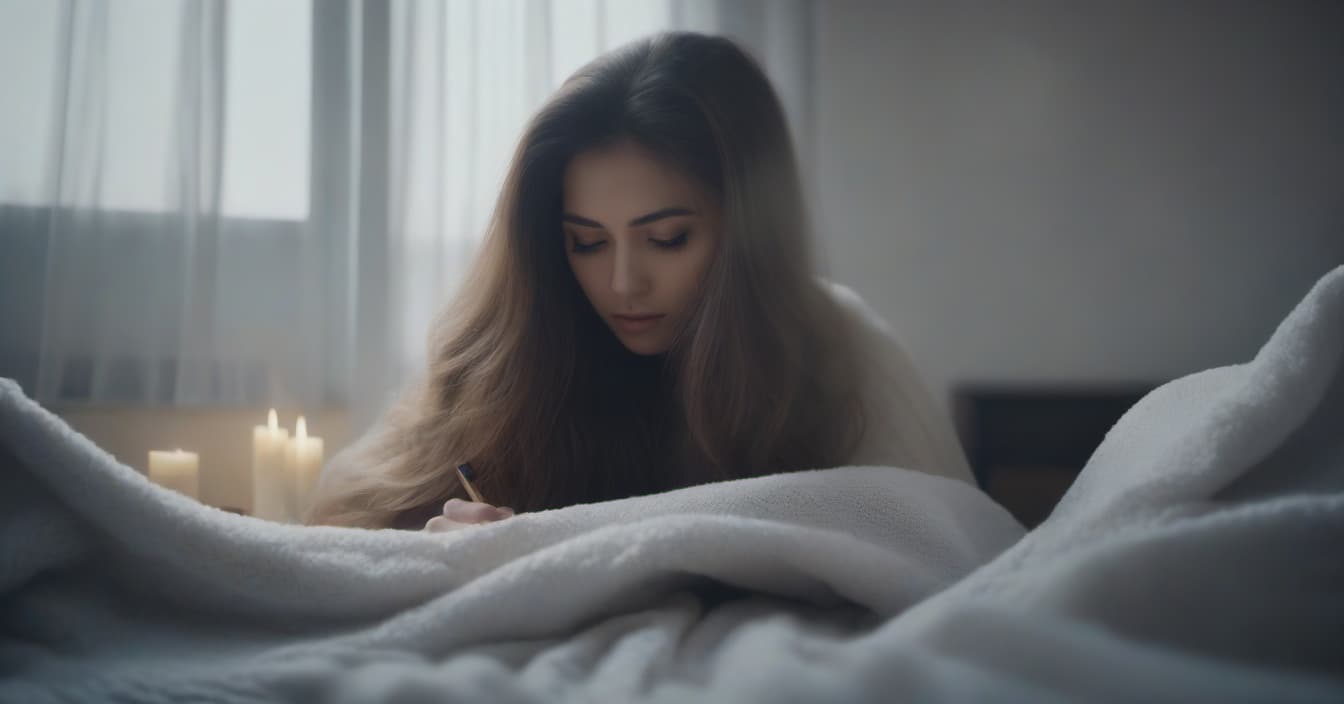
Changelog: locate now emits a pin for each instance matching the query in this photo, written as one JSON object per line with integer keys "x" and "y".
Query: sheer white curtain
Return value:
{"x": 149, "y": 219}
{"x": 259, "y": 202}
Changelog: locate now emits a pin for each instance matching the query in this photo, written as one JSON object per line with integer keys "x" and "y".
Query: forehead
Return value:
{"x": 626, "y": 179}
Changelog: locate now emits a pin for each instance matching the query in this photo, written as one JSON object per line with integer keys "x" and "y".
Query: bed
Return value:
{"x": 1195, "y": 557}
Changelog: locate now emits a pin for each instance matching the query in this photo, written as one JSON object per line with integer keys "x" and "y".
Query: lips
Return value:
{"x": 637, "y": 323}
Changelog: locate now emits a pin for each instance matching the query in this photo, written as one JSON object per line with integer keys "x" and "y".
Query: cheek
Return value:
{"x": 687, "y": 278}
{"x": 704, "y": 257}
{"x": 589, "y": 275}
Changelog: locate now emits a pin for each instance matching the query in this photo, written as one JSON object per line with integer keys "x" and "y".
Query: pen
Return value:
{"x": 466, "y": 473}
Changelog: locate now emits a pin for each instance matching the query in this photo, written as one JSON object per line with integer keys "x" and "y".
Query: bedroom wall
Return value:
{"x": 1065, "y": 192}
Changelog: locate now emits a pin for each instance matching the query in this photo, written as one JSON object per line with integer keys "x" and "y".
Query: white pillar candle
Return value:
{"x": 269, "y": 486}
{"x": 303, "y": 462}
{"x": 176, "y": 470}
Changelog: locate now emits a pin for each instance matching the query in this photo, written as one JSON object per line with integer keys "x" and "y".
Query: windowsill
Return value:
{"x": 63, "y": 407}
{"x": 222, "y": 437}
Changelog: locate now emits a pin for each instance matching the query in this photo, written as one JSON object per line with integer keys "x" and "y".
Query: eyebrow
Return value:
{"x": 641, "y": 220}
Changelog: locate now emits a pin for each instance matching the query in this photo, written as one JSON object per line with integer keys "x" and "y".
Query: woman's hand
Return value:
{"x": 461, "y": 514}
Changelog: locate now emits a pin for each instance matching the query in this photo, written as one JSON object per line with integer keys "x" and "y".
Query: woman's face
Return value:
{"x": 639, "y": 235}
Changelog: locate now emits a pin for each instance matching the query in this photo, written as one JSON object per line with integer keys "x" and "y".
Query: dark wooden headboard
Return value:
{"x": 1027, "y": 443}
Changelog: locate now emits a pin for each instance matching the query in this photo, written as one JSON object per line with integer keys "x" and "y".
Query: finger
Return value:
{"x": 439, "y": 524}
{"x": 469, "y": 512}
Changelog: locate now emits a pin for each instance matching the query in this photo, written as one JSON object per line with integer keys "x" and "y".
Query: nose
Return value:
{"x": 628, "y": 275}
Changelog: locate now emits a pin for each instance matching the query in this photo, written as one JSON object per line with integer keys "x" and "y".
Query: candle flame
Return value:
{"x": 272, "y": 422}
{"x": 301, "y": 429}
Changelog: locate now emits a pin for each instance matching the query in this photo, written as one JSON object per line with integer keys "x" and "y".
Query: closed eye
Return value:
{"x": 673, "y": 243}
{"x": 578, "y": 247}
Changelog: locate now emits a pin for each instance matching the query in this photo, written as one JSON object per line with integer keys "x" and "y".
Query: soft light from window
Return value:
{"x": 268, "y": 107}
{"x": 131, "y": 154}
{"x": 116, "y": 138}
{"x": 28, "y": 30}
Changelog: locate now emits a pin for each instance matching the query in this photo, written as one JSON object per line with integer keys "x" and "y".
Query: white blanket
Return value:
{"x": 1200, "y": 556}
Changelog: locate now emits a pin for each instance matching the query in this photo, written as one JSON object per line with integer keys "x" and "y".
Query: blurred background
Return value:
{"x": 208, "y": 209}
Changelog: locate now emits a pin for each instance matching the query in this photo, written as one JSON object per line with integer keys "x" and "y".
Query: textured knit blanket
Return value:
{"x": 1199, "y": 556}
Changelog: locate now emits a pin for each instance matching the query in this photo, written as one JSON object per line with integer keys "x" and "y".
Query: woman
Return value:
{"x": 642, "y": 316}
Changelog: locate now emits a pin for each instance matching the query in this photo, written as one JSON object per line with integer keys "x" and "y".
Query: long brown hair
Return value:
{"x": 527, "y": 384}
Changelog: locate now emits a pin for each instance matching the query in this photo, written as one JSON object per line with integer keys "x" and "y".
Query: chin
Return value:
{"x": 643, "y": 348}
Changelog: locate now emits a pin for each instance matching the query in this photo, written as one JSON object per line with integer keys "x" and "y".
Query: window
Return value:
{"x": 128, "y": 76}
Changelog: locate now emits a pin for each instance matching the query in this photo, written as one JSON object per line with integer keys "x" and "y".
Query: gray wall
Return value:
{"x": 1072, "y": 193}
